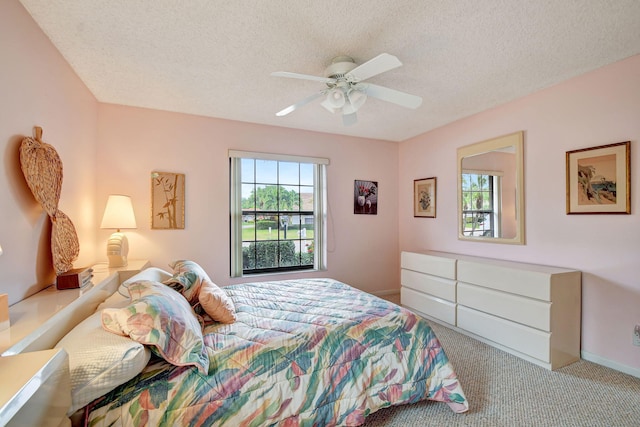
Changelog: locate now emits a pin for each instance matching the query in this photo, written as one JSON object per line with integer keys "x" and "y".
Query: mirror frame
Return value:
{"x": 516, "y": 140}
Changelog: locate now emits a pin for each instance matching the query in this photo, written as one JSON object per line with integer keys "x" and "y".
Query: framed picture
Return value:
{"x": 167, "y": 200}
{"x": 365, "y": 197}
{"x": 424, "y": 197}
{"x": 598, "y": 180}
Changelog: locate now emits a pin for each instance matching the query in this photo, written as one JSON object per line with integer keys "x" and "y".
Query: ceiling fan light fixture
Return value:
{"x": 348, "y": 109}
{"x": 326, "y": 104}
{"x": 336, "y": 98}
{"x": 356, "y": 98}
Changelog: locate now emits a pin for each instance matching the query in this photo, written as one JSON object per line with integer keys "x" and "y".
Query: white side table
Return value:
{"x": 35, "y": 389}
{"x": 39, "y": 321}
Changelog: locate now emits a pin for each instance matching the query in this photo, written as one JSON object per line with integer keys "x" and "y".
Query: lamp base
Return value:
{"x": 117, "y": 261}
{"x": 117, "y": 250}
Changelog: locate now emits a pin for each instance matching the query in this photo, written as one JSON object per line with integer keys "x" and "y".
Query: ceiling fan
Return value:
{"x": 346, "y": 88}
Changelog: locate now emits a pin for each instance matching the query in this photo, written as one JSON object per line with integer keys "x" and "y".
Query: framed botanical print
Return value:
{"x": 167, "y": 200}
{"x": 424, "y": 197}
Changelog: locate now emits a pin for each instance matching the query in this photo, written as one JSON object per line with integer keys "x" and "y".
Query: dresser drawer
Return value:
{"x": 527, "y": 311}
{"x": 524, "y": 339}
{"x": 433, "y": 265}
{"x": 431, "y": 306}
{"x": 529, "y": 282}
{"x": 432, "y": 285}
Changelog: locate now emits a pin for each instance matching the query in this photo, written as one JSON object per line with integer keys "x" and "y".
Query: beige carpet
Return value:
{"x": 504, "y": 390}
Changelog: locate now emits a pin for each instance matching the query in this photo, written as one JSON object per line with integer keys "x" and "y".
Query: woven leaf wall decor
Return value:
{"x": 42, "y": 169}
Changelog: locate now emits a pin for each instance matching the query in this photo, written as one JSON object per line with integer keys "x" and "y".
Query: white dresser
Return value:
{"x": 429, "y": 285}
{"x": 529, "y": 310}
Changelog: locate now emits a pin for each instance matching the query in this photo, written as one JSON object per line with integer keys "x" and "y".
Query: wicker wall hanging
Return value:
{"x": 42, "y": 169}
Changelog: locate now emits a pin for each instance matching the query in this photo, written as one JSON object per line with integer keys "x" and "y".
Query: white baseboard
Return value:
{"x": 610, "y": 364}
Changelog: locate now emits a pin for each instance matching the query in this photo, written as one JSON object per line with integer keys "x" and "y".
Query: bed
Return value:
{"x": 298, "y": 352}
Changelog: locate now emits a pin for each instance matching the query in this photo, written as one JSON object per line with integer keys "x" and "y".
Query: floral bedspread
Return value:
{"x": 312, "y": 352}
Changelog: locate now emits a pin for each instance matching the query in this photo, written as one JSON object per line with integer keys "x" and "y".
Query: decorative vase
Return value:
{"x": 360, "y": 200}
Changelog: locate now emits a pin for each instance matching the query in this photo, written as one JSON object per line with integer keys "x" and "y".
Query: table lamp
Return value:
{"x": 118, "y": 214}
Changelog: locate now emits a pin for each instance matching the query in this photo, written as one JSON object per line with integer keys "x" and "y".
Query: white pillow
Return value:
{"x": 99, "y": 361}
{"x": 114, "y": 301}
{"x": 152, "y": 274}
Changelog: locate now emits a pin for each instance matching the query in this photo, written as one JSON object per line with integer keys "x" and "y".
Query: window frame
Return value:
{"x": 494, "y": 184}
{"x": 236, "y": 212}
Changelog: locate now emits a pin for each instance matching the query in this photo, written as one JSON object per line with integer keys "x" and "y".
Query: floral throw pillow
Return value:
{"x": 161, "y": 318}
{"x": 205, "y": 296}
{"x": 186, "y": 279}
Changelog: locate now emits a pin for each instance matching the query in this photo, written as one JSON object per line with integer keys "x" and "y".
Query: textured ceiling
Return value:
{"x": 214, "y": 58}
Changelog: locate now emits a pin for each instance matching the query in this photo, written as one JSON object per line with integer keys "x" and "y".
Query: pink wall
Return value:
{"x": 598, "y": 108}
{"x": 39, "y": 88}
{"x": 363, "y": 249}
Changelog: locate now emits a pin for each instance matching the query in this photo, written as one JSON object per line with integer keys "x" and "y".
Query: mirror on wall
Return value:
{"x": 491, "y": 190}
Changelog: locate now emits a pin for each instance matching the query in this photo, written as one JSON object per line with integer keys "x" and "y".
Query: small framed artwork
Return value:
{"x": 598, "y": 179}
{"x": 424, "y": 197}
{"x": 365, "y": 197}
{"x": 167, "y": 200}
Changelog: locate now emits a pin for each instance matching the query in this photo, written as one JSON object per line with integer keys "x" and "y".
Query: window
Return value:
{"x": 277, "y": 213}
{"x": 480, "y": 203}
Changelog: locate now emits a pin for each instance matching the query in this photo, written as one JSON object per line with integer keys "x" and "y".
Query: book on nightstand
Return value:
{"x": 74, "y": 278}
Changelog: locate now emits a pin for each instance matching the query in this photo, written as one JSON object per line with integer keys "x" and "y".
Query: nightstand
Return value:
{"x": 35, "y": 389}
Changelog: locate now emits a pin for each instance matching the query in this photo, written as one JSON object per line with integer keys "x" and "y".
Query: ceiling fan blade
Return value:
{"x": 380, "y": 64}
{"x": 391, "y": 95}
{"x": 294, "y": 107}
{"x": 349, "y": 119}
{"x": 302, "y": 76}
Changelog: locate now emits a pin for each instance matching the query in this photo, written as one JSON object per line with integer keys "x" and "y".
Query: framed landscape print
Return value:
{"x": 598, "y": 180}
{"x": 424, "y": 197}
{"x": 167, "y": 200}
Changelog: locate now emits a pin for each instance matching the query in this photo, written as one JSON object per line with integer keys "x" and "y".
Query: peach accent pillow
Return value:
{"x": 216, "y": 303}
{"x": 195, "y": 285}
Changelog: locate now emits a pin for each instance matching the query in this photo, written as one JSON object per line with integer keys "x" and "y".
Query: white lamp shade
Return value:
{"x": 118, "y": 213}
